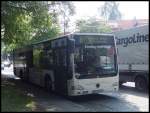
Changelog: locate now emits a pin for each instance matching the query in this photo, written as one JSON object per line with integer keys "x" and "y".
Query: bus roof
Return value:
{"x": 62, "y": 36}
{"x": 59, "y": 37}
{"x": 49, "y": 39}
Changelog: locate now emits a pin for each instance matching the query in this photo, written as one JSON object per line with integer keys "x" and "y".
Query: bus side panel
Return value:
{"x": 60, "y": 80}
{"x": 60, "y": 59}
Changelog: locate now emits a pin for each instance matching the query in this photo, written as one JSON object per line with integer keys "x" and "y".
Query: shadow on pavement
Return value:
{"x": 94, "y": 101}
{"x": 91, "y": 97}
{"x": 133, "y": 91}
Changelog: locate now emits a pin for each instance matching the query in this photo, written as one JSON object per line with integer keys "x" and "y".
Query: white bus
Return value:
{"x": 74, "y": 64}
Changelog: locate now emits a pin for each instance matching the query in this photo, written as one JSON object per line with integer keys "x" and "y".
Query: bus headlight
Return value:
{"x": 78, "y": 87}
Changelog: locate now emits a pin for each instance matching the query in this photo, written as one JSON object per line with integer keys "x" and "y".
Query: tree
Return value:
{"x": 91, "y": 25}
{"x": 25, "y": 22}
{"x": 110, "y": 11}
{"x": 65, "y": 9}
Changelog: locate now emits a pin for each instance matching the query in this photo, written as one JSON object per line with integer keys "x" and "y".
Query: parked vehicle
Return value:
{"x": 133, "y": 55}
{"x": 2, "y": 66}
{"x": 7, "y": 63}
{"x": 74, "y": 64}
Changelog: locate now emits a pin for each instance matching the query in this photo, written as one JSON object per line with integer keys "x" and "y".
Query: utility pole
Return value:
{"x": 64, "y": 25}
{"x": 64, "y": 22}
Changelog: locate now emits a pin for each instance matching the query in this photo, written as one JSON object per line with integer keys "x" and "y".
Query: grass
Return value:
{"x": 15, "y": 100}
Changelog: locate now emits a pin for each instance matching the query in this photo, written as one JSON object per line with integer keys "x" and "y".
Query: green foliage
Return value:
{"x": 26, "y": 22}
{"x": 110, "y": 11}
{"x": 36, "y": 59}
{"x": 14, "y": 100}
{"x": 68, "y": 10}
{"x": 92, "y": 26}
{"x": 65, "y": 9}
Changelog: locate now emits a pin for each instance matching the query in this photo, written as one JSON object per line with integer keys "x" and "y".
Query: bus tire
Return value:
{"x": 48, "y": 84}
{"x": 21, "y": 74}
{"x": 120, "y": 83}
{"x": 26, "y": 75}
{"x": 15, "y": 73}
{"x": 140, "y": 83}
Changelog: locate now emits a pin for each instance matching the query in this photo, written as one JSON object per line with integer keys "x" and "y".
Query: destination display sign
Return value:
{"x": 94, "y": 39}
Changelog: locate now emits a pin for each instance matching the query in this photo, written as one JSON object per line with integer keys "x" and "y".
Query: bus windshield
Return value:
{"x": 94, "y": 60}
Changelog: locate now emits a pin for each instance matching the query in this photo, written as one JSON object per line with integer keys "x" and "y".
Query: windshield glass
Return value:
{"x": 95, "y": 60}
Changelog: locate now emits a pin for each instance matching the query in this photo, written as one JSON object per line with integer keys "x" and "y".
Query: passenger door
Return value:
{"x": 60, "y": 70}
{"x": 36, "y": 70}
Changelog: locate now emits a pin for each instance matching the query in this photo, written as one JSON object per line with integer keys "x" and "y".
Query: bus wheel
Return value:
{"x": 15, "y": 72}
{"x": 48, "y": 84}
{"x": 21, "y": 75}
{"x": 26, "y": 75}
{"x": 140, "y": 84}
{"x": 120, "y": 83}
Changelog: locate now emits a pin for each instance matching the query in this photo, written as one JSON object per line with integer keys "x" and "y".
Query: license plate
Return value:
{"x": 98, "y": 91}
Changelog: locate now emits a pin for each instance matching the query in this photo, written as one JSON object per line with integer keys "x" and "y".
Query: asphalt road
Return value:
{"x": 126, "y": 99}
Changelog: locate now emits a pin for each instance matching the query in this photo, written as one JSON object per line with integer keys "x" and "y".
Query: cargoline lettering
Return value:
{"x": 136, "y": 38}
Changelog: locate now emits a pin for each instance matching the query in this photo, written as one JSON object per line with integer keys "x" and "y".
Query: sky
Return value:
{"x": 129, "y": 10}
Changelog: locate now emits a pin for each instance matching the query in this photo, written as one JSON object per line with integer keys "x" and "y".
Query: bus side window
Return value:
{"x": 62, "y": 58}
{"x": 30, "y": 58}
{"x": 46, "y": 59}
{"x": 57, "y": 62}
{"x": 36, "y": 57}
{"x": 50, "y": 56}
